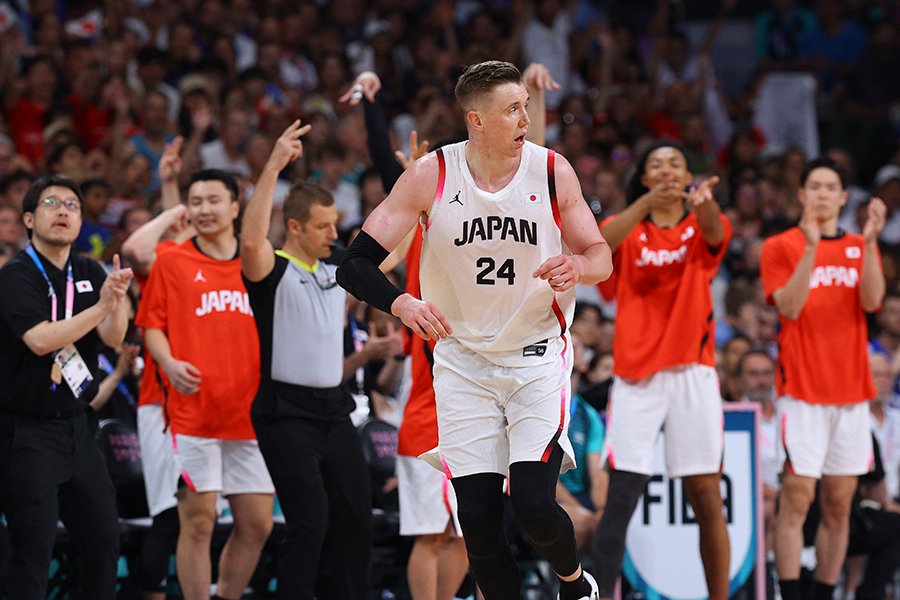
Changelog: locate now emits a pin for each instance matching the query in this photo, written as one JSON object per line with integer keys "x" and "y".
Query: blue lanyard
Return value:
{"x": 70, "y": 286}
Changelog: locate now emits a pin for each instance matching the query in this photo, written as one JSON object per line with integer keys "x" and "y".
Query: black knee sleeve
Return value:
{"x": 159, "y": 545}
{"x": 480, "y": 500}
{"x": 625, "y": 490}
{"x": 548, "y": 527}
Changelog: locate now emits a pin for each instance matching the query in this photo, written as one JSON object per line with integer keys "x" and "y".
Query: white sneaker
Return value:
{"x": 595, "y": 591}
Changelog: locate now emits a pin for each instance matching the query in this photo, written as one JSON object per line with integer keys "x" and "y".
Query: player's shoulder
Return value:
{"x": 790, "y": 238}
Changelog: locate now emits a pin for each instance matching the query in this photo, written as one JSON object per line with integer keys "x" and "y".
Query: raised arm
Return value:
{"x": 257, "y": 254}
{"x": 791, "y": 298}
{"x": 591, "y": 260}
{"x": 707, "y": 209}
{"x": 537, "y": 80}
{"x": 140, "y": 247}
{"x": 666, "y": 191}
{"x": 871, "y": 282}
{"x": 106, "y": 316}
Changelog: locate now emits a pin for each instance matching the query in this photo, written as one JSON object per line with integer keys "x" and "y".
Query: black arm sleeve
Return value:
{"x": 379, "y": 142}
{"x": 360, "y": 276}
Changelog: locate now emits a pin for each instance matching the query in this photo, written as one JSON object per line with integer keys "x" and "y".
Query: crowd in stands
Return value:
{"x": 97, "y": 90}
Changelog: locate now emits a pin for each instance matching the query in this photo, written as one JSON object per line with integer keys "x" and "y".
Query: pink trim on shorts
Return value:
{"x": 442, "y": 175}
{"x": 445, "y": 485}
{"x": 184, "y": 474}
{"x": 444, "y": 464}
{"x": 562, "y": 404}
{"x": 610, "y": 453}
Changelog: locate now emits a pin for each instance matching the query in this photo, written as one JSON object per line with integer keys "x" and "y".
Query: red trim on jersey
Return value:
{"x": 551, "y": 183}
{"x": 442, "y": 175}
{"x": 446, "y": 491}
{"x": 559, "y": 316}
{"x": 562, "y": 405}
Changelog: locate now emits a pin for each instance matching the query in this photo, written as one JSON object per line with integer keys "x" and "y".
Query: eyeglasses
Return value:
{"x": 52, "y": 203}
{"x": 329, "y": 283}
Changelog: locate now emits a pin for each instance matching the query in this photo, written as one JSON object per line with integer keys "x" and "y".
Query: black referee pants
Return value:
{"x": 322, "y": 481}
{"x": 51, "y": 469}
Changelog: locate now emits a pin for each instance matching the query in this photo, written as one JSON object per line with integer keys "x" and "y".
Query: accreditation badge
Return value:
{"x": 73, "y": 369}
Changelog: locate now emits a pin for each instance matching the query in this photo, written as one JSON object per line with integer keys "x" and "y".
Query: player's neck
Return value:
{"x": 877, "y": 410}
{"x": 58, "y": 256}
{"x": 829, "y": 227}
{"x": 293, "y": 248}
{"x": 490, "y": 172}
{"x": 220, "y": 246}
{"x": 667, "y": 216}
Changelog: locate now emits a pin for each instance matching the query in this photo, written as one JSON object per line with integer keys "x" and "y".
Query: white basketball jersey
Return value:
{"x": 480, "y": 250}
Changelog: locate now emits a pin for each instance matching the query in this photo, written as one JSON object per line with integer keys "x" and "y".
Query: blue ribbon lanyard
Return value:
{"x": 70, "y": 289}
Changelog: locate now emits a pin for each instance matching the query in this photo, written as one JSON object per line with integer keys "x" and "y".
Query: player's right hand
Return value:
{"x": 288, "y": 147}
{"x": 423, "y": 318}
{"x": 666, "y": 191}
{"x": 170, "y": 163}
{"x": 366, "y": 84}
{"x": 809, "y": 225}
{"x": 184, "y": 376}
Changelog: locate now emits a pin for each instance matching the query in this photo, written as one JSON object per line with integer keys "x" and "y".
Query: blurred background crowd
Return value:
{"x": 95, "y": 89}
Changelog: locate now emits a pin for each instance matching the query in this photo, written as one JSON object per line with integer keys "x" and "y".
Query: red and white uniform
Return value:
{"x": 664, "y": 350}
{"x": 509, "y": 329}
{"x": 823, "y": 370}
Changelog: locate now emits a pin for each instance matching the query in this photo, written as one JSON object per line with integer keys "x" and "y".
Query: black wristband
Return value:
{"x": 359, "y": 273}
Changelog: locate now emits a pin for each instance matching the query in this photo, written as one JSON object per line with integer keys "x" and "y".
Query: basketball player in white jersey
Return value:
{"x": 507, "y": 235}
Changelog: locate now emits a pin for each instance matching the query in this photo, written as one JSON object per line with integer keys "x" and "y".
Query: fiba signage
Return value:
{"x": 662, "y": 558}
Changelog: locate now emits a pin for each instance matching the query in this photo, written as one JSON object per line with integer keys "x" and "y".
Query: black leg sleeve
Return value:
{"x": 480, "y": 501}
{"x": 625, "y": 490}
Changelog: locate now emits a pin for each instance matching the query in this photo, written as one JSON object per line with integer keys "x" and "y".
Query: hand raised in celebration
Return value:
{"x": 809, "y": 225}
{"x": 288, "y": 147}
{"x": 170, "y": 163}
{"x": 876, "y": 215}
{"x": 703, "y": 192}
{"x": 366, "y": 84}
{"x": 416, "y": 150}
{"x": 115, "y": 287}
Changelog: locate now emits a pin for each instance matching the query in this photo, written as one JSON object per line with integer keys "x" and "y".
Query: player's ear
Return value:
{"x": 474, "y": 119}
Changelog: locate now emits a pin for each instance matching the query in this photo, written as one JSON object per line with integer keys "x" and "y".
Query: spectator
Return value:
{"x": 12, "y": 233}
{"x": 48, "y": 370}
{"x": 26, "y": 118}
{"x": 192, "y": 334}
{"x": 833, "y": 47}
{"x": 93, "y": 237}
{"x": 228, "y": 153}
{"x": 545, "y": 39}
{"x": 779, "y": 32}
{"x": 885, "y": 421}
{"x": 887, "y": 187}
{"x": 302, "y": 417}
{"x": 156, "y": 133}
{"x": 335, "y": 178}
{"x": 13, "y": 187}
{"x": 757, "y": 372}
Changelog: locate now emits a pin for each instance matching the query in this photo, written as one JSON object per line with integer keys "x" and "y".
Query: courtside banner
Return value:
{"x": 662, "y": 556}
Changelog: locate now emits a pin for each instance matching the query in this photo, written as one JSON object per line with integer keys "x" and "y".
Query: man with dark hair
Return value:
{"x": 818, "y": 274}
{"x": 55, "y": 308}
{"x": 301, "y": 413}
{"x": 199, "y": 329}
{"x": 507, "y": 235}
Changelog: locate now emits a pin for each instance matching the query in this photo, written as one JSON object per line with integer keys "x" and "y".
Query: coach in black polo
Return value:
{"x": 55, "y": 306}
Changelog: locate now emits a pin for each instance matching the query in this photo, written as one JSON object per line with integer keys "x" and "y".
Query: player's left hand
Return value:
{"x": 703, "y": 192}
{"x": 561, "y": 272}
{"x": 876, "y": 214}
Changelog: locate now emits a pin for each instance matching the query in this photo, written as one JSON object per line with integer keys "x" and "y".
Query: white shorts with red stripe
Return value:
{"x": 491, "y": 416}
{"x": 825, "y": 439}
{"x": 427, "y": 500}
{"x": 225, "y": 466}
{"x": 687, "y": 402}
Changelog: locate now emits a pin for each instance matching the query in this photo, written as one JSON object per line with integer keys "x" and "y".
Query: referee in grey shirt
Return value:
{"x": 301, "y": 413}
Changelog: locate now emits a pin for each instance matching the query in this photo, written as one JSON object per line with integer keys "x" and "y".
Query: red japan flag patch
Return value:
{"x": 533, "y": 198}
